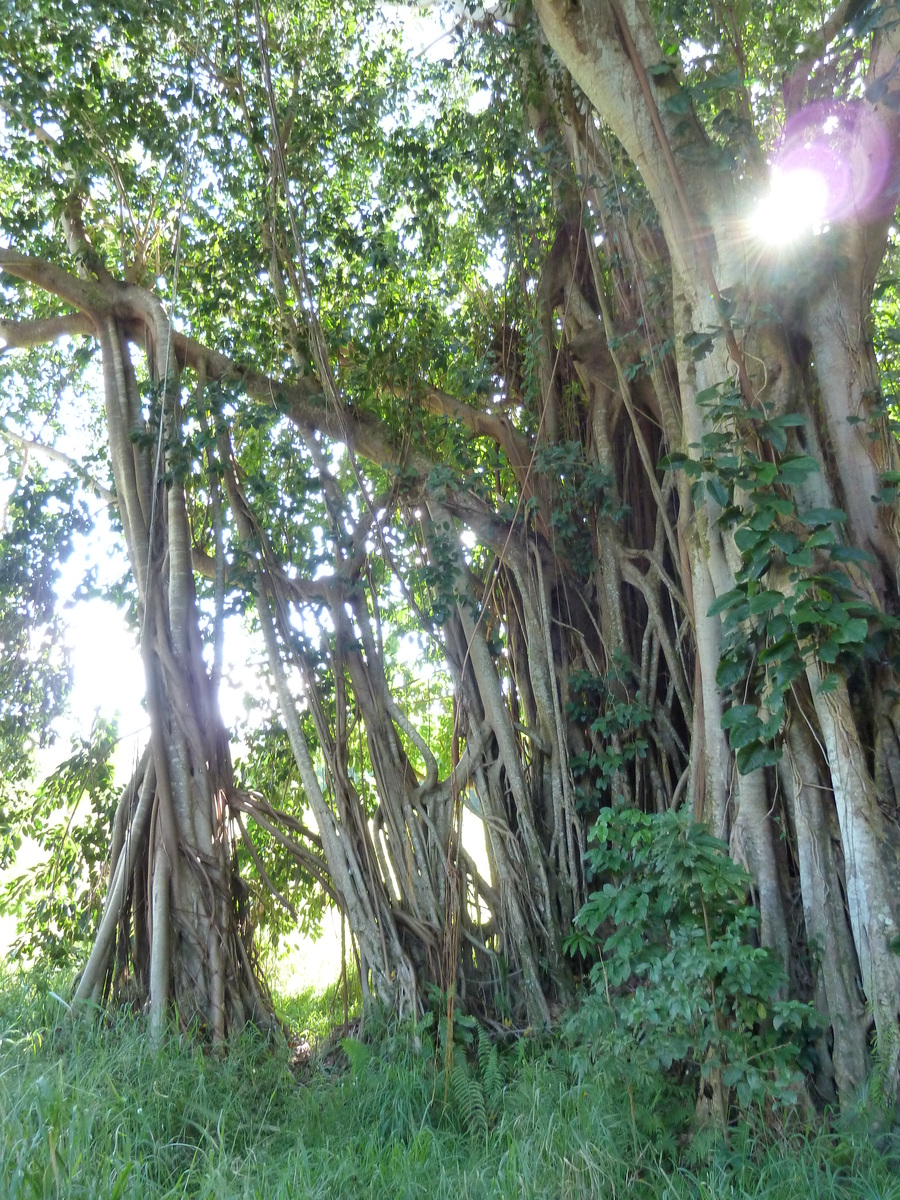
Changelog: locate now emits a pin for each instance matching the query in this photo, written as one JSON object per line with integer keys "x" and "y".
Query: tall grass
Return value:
{"x": 88, "y": 1110}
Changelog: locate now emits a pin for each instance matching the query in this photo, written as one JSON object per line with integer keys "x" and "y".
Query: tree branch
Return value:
{"x": 794, "y": 86}
{"x": 302, "y": 401}
{"x": 50, "y": 452}
{"x": 22, "y": 335}
{"x": 85, "y": 295}
{"x": 37, "y": 131}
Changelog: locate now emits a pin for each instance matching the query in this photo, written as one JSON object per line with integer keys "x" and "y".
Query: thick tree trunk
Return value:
{"x": 171, "y": 936}
{"x": 840, "y": 798}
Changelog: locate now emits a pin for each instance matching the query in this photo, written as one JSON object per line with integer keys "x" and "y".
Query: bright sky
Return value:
{"x": 107, "y": 672}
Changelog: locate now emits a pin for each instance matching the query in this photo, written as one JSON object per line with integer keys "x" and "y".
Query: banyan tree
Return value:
{"x": 489, "y": 346}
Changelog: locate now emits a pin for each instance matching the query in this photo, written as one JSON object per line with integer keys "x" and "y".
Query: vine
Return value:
{"x": 799, "y": 594}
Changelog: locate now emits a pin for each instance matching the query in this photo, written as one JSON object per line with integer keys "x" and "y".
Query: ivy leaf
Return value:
{"x": 850, "y": 554}
{"x": 747, "y": 539}
{"x": 724, "y": 82}
{"x": 745, "y": 735}
{"x": 823, "y": 516}
{"x": 828, "y": 651}
{"x": 773, "y": 652}
{"x": 752, "y": 758}
{"x": 855, "y": 630}
{"x": 796, "y": 469}
{"x": 673, "y": 461}
{"x": 786, "y": 542}
{"x": 765, "y": 473}
{"x": 765, "y": 602}
{"x": 699, "y": 344}
{"x": 717, "y": 490}
{"x": 739, "y": 714}
{"x": 730, "y": 672}
{"x": 724, "y": 602}
{"x": 678, "y": 104}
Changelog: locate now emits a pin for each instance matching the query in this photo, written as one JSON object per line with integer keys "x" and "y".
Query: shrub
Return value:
{"x": 671, "y": 940}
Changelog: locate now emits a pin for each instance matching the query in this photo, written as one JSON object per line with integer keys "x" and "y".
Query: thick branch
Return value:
{"x": 497, "y": 427}
{"x": 85, "y": 295}
{"x": 794, "y": 89}
{"x": 22, "y": 335}
{"x": 607, "y": 47}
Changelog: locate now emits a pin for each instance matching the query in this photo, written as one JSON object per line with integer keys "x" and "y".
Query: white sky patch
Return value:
{"x": 306, "y": 960}
{"x": 107, "y": 680}
{"x": 474, "y": 838}
{"x": 425, "y": 28}
{"x": 692, "y": 52}
{"x": 107, "y": 670}
{"x": 468, "y": 539}
{"x": 479, "y": 102}
{"x": 495, "y": 267}
{"x": 410, "y": 650}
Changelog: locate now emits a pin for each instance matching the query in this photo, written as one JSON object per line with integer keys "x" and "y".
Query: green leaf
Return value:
{"x": 764, "y": 602}
{"x": 747, "y": 539}
{"x": 726, "y": 601}
{"x": 745, "y": 735}
{"x": 786, "y": 542}
{"x": 850, "y": 554}
{"x": 855, "y": 630}
{"x": 718, "y": 491}
{"x": 770, "y": 503}
{"x": 753, "y": 758}
{"x": 788, "y": 421}
{"x": 764, "y": 474}
{"x": 829, "y": 650}
{"x": 775, "y": 651}
{"x": 699, "y": 344}
{"x": 679, "y": 103}
{"x": 739, "y": 714}
{"x": 823, "y": 516}
{"x": 707, "y": 395}
{"x": 725, "y": 82}
{"x": 730, "y": 672}
{"x": 795, "y": 470}
{"x": 673, "y": 461}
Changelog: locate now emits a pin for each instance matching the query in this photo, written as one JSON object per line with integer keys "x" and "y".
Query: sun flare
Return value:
{"x": 795, "y": 206}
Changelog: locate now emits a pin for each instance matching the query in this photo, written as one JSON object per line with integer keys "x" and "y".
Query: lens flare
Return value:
{"x": 796, "y": 205}
{"x": 831, "y": 165}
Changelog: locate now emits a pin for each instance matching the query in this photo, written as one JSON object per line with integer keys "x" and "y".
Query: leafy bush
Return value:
{"x": 58, "y": 900}
{"x": 671, "y": 941}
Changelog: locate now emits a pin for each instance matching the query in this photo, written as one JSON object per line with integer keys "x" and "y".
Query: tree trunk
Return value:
{"x": 840, "y": 798}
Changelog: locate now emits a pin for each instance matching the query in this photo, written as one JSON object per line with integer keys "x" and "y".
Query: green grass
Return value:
{"x": 90, "y": 1111}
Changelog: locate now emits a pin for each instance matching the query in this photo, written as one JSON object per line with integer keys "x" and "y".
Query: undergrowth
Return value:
{"x": 89, "y": 1112}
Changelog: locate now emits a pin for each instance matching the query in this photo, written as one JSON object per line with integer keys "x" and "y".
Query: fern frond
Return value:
{"x": 469, "y": 1096}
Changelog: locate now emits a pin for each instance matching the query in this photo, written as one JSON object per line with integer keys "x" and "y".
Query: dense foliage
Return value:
{"x": 678, "y": 967}
{"x": 558, "y": 492}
